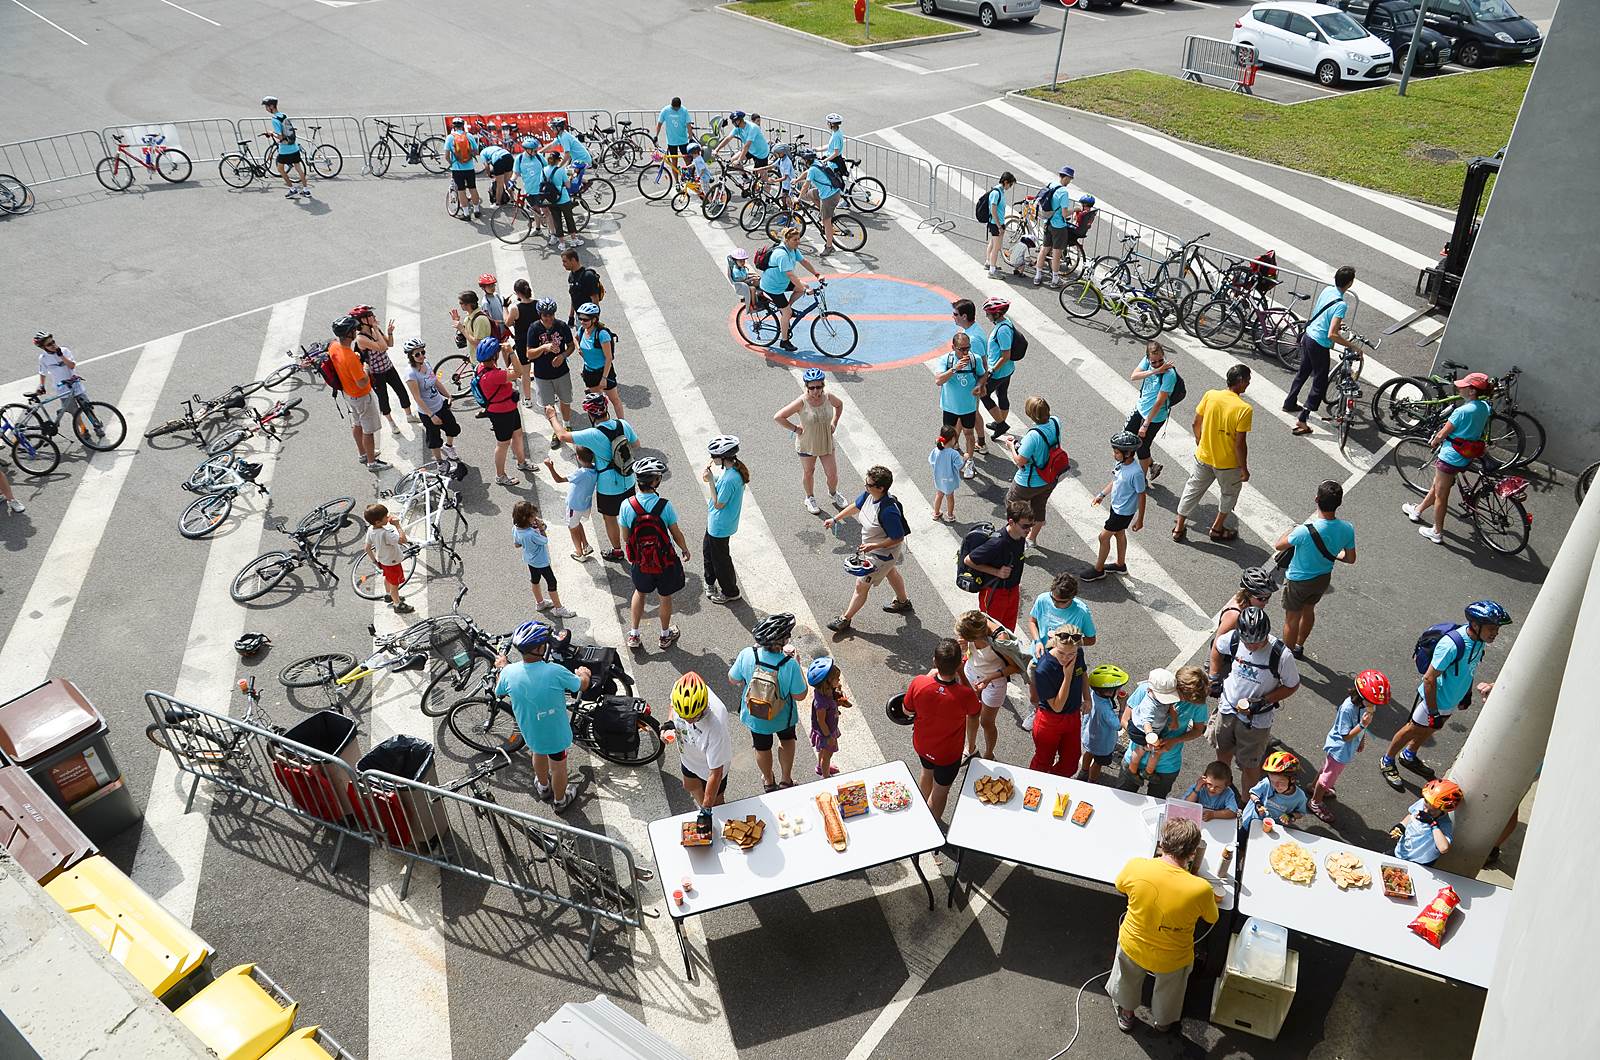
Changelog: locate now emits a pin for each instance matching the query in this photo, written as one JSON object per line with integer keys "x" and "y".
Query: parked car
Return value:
{"x": 987, "y": 12}
{"x": 1484, "y": 31}
{"x": 1394, "y": 22}
{"x": 1314, "y": 39}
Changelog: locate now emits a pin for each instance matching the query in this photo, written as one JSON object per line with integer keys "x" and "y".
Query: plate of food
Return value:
{"x": 693, "y": 837}
{"x": 1397, "y": 882}
{"x": 744, "y": 833}
{"x": 890, "y": 795}
{"x": 1081, "y": 815}
{"x": 1063, "y": 800}
{"x": 1030, "y": 798}
{"x": 832, "y": 822}
{"x": 852, "y": 799}
{"x": 1290, "y": 861}
{"x": 1346, "y": 870}
{"x": 994, "y": 790}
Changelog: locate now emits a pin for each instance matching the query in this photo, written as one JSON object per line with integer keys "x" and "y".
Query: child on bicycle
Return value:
{"x": 384, "y": 542}
{"x": 57, "y": 371}
{"x": 743, "y": 280}
{"x": 528, "y": 533}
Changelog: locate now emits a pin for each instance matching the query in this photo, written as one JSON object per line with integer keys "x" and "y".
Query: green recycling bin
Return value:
{"x": 56, "y": 735}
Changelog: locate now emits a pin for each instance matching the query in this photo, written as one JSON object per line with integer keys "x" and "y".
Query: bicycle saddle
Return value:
{"x": 243, "y": 143}
{"x": 177, "y": 717}
{"x": 624, "y": 122}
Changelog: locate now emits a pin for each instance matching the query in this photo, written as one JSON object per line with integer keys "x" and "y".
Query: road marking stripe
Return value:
{"x": 196, "y": 14}
{"x": 41, "y": 18}
{"x": 1405, "y": 207}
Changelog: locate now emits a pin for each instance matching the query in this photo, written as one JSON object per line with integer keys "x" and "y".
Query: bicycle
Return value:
{"x": 848, "y": 232}
{"x": 1241, "y": 309}
{"x": 1490, "y": 500}
{"x": 264, "y": 573}
{"x": 1344, "y": 387}
{"x": 430, "y": 486}
{"x": 32, "y": 441}
{"x": 1420, "y": 405}
{"x": 303, "y": 361}
{"x": 217, "y": 480}
{"x": 415, "y": 149}
{"x": 189, "y": 735}
{"x": 267, "y": 423}
{"x": 833, "y": 334}
{"x": 99, "y": 425}
{"x": 616, "y": 148}
{"x": 1082, "y": 298}
{"x": 241, "y": 168}
{"x": 866, "y": 194}
{"x": 713, "y": 198}
{"x": 211, "y": 410}
{"x": 16, "y": 198}
{"x": 335, "y": 671}
{"x": 659, "y": 176}
{"x": 115, "y": 171}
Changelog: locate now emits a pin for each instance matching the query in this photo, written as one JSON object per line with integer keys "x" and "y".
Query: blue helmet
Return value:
{"x": 1087, "y": 200}
{"x": 530, "y": 143}
{"x": 737, "y": 115}
{"x": 530, "y": 635}
{"x": 487, "y": 350}
{"x": 813, "y": 375}
{"x": 1488, "y": 611}
{"x": 819, "y": 670}
{"x": 859, "y": 566}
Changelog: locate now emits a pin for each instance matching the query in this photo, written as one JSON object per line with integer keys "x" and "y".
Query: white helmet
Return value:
{"x": 649, "y": 466}
{"x": 722, "y": 445}
{"x": 834, "y": 119}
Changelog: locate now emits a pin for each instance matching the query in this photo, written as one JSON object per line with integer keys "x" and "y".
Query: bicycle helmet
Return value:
{"x": 649, "y": 467}
{"x": 1107, "y": 676}
{"x": 997, "y": 306}
{"x": 1373, "y": 686}
{"x": 1488, "y": 611}
{"x": 1476, "y": 380}
{"x": 487, "y": 279}
{"x": 1125, "y": 441}
{"x": 545, "y": 305}
{"x": 1257, "y": 581}
{"x": 780, "y": 150}
{"x": 458, "y": 123}
{"x": 807, "y": 155}
{"x": 1280, "y": 762}
{"x": 737, "y": 115}
{"x": 530, "y": 143}
{"x": 1087, "y": 200}
{"x": 813, "y": 375}
{"x": 896, "y": 709}
{"x": 819, "y": 670}
{"x": 739, "y": 254}
{"x": 692, "y": 149}
{"x": 1066, "y": 171}
{"x": 1254, "y": 626}
{"x": 1442, "y": 794}
{"x": 487, "y": 350}
{"x": 269, "y": 101}
{"x": 774, "y": 629}
{"x": 858, "y": 566}
{"x": 588, "y": 309}
{"x": 834, "y": 119}
{"x": 558, "y": 122}
{"x": 690, "y": 696}
{"x": 345, "y": 325}
{"x": 530, "y": 635}
{"x": 361, "y": 311}
{"x": 41, "y": 337}
{"x": 723, "y": 445}
{"x": 251, "y": 644}
{"x": 595, "y": 406}
{"x": 413, "y": 345}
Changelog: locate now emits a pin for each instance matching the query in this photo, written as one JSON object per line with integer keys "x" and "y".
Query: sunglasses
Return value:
{"x": 810, "y": 387}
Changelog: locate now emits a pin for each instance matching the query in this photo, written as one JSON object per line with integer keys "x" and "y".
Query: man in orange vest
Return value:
{"x": 357, "y": 390}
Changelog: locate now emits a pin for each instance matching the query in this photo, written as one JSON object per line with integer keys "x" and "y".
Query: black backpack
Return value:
{"x": 621, "y": 448}
{"x": 980, "y": 209}
{"x": 1019, "y": 341}
{"x": 1274, "y": 657}
{"x": 290, "y": 134}
{"x": 1179, "y": 391}
{"x": 616, "y": 724}
{"x": 967, "y": 579}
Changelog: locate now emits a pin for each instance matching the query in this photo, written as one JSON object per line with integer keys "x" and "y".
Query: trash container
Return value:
{"x": 155, "y": 946}
{"x": 315, "y": 787}
{"x": 241, "y": 1015}
{"x": 35, "y": 831}
{"x": 403, "y": 815}
{"x": 56, "y": 734}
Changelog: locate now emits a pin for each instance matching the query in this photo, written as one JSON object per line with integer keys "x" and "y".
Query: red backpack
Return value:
{"x": 461, "y": 147}
{"x": 1056, "y": 461}
{"x": 649, "y": 549}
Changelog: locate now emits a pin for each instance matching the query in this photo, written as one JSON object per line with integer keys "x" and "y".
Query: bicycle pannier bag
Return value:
{"x": 616, "y": 724}
{"x": 649, "y": 549}
{"x": 762, "y": 694}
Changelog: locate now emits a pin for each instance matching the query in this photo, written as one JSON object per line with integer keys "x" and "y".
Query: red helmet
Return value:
{"x": 1373, "y": 687}
{"x": 486, "y": 279}
{"x": 996, "y": 305}
{"x": 1476, "y": 380}
{"x": 361, "y": 311}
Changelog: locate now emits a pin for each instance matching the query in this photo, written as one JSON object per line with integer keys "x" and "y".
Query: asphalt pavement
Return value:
{"x": 166, "y": 292}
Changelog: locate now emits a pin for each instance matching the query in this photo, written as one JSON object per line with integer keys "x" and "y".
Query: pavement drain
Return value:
{"x": 1439, "y": 154}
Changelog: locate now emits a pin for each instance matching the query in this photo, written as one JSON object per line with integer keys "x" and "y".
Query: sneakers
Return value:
{"x": 994, "y": 272}
{"x": 1390, "y": 773}
{"x": 981, "y": 444}
{"x": 717, "y": 597}
{"x": 553, "y": 244}
{"x": 542, "y": 792}
{"x": 839, "y": 501}
{"x": 668, "y": 638}
{"x": 1117, "y": 568}
{"x": 561, "y": 804}
{"x": 1038, "y": 279}
{"x": 1297, "y": 650}
{"x": 788, "y": 347}
{"x": 898, "y": 607}
{"x": 292, "y": 193}
{"x": 1417, "y": 765}
{"x": 563, "y": 612}
{"x": 633, "y": 640}
{"x": 15, "y": 507}
{"x": 1431, "y": 534}
{"x": 1411, "y": 513}
{"x": 543, "y": 605}
{"x": 449, "y": 452}
{"x": 1155, "y": 471}
{"x": 1027, "y": 720}
{"x": 527, "y": 402}
{"x": 376, "y": 465}
{"x": 1093, "y": 574}
{"x": 839, "y": 625}
{"x": 574, "y": 242}
{"x": 613, "y": 555}
{"x": 1125, "y": 1020}
{"x": 507, "y": 480}
{"x": 584, "y": 556}
{"x": 812, "y": 506}
{"x": 402, "y": 608}
{"x": 967, "y": 470}
{"x": 555, "y": 443}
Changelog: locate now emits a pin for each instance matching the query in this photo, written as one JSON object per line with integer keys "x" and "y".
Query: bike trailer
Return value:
{"x": 616, "y": 724}
{"x": 311, "y": 783}
{"x": 402, "y": 815}
{"x": 241, "y": 1015}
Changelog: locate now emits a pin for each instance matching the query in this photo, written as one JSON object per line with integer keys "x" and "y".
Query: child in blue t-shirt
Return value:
{"x": 743, "y": 281}
{"x": 1107, "y": 695}
{"x": 528, "y": 534}
{"x": 1275, "y": 799}
{"x": 1427, "y": 829}
{"x": 946, "y": 463}
{"x": 580, "y": 499}
{"x": 1214, "y": 792}
{"x": 1127, "y": 490}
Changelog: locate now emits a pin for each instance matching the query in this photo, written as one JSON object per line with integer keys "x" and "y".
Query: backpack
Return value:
{"x": 1273, "y": 657}
{"x": 762, "y": 696}
{"x": 599, "y": 284}
{"x": 649, "y": 549}
{"x": 1265, "y": 271}
{"x": 1056, "y": 462}
{"x": 616, "y": 724}
{"x": 763, "y": 256}
{"x": 290, "y": 134}
{"x": 1179, "y": 391}
{"x": 461, "y": 337}
{"x": 324, "y": 363}
{"x": 899, "y": 509}
{"x": 980, "y": 209}
{"x": 1046, "y": 198}
{"x": 621, "y": 449}
{"x": 1019, "y": 342}
{"x": 967, "y": 579}
{"x": 1429, "y": 639}
{"x": 461, "y": 147}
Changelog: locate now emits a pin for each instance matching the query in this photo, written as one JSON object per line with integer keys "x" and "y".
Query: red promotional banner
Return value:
{"x": 524, "y": 123}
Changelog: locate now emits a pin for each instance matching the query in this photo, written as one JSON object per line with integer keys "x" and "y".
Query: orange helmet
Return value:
{"x": 1373, "y": 686}
{"x": 1442, "y": 794}
{"x": 1280, "y": 762}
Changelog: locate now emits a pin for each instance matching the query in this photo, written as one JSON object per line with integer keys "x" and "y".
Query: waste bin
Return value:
{"x": 405, "y": 816}
{"x": 241, "y": 1015}
{"x": 155, "y": 946}
{"x": 35, "y": 831}
{"x": 315, "y": 787}
{"x": 56, "y": 734}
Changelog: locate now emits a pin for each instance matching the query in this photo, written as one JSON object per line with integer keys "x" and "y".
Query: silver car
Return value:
{"x": 988, "y": 12}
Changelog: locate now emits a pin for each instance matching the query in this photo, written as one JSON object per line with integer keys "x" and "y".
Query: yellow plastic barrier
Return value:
{"x": 307, "y": 1043}
{"x": 237, "y": 1017}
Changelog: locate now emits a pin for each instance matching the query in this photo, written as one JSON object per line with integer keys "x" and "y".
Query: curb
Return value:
{"x": 909, "y": 42}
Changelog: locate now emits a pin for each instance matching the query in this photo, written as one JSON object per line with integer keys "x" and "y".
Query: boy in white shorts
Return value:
{"x": 580, "y": 499}
{"x": 987, "y": 671}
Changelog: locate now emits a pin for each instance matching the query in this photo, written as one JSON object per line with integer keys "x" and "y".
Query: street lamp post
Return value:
{"x": 1055, "y": 78}
{"x": 1416, "y": 40}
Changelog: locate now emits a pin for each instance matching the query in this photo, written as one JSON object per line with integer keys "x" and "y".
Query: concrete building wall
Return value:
{"x": 1531, "y": 292}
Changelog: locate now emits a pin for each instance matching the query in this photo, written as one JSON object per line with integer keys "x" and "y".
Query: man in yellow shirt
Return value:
{"x": 1165, "y": 898}
{"x": 1221, "y": 421}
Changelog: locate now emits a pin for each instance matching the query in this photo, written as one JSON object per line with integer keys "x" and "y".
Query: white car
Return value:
{"x": 1313, "y": 39}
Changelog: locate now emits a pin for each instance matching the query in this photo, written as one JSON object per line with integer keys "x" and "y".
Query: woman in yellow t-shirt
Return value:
{"x": 1165, "y": 898}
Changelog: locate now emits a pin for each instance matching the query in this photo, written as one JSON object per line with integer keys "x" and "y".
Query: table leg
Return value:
{"x": 916, "y": 863}
{"x": 955, "y": 881}
{"x": 683, "y": 946}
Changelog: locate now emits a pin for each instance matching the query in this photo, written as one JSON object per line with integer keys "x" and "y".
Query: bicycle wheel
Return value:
{"x": 279, "y": 375}
{"x": 1345, "y": 415}
{"x": 758, "y": 329}
{"x": 187, "y": 742}
{"x": 783, "y": 219}
{"x": 1080, "y": 299}
{"x": 114, "y": 174}
{"x": 16, "y": 198}
{"x": 1500, "y": 522}
{"x": 326, "y": 161}
{"x": 833, "y": 334}
{"x": 598, "y": 194}
{"x": 1413, "y": 458}
{"x": 1532, "y": 434}
{"x": 1189, "y": 307}
{"x": 430, "y": 152}
{"x": 511, "y": 224}
{"x": 99, "y": 425}
{"x": 614, "y": 158}
{"x": 379, "y": 157}
{"x": 205, "y": 514}
{"x": 451, "y": 683}
{"x": 211, "y": 473}
{"x": 1401, "y": 406}
{"x": 173, "y": 166}
{"x": 261, "y": 575}
{"x": 1283, "y": 341}
{"x": 1506, "y": 443}
{"x": 641, "y": 145}
{"x": 1141, "y": 316}
{"x": 1219, "y": 324}
{"x": 715, "y": 203}
{"x": 753, "y": 215}
{"x": 648, "y": 750}
{"x": 455, "y": 372}
{"x": 656, "y": 182}
{"x": 848, "y": 233}
{"x": 316, "y": 670}
{"x": 33, "y": 451}
{"x": 327, "y": 517}
{"x": 867, "y": 194}
{"x": 236, "y": 171}
{"x": 483, "y": 723}
{"x": 366, "y": 578}
{"x": 1108, "y": 270}
{"x": 680, "y": 200}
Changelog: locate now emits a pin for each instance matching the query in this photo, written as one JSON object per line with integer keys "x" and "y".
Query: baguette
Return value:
{"x": 832, "y": 823}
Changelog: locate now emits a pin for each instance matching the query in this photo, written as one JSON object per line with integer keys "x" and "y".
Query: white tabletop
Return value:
{"x": 1125, "y": 825}
{"x": 724, "y": 875}
{"x": 1365, "y": 920}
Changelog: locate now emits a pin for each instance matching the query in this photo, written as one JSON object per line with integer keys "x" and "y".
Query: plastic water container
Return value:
{"x": 1263, "y": 949}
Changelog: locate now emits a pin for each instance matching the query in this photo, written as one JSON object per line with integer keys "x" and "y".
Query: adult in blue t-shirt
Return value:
{"x": 726, "y": 475}
{"x": 995, "y": 227}
{"x": 959, "y": 377}
{"x": 1311, "y": 566}
{"x": 1323, "y": 331}
{"x": 998, "y": 349}
{"x": 790, "y": 680}
{"x": 498, "y": 163}
{"x": 614, "y": 484}
{"x": 1157, "y": 378}
{"x": 538, "y": 692}
{"x": 1031, "y": 455}
{"x": 1456, "y": 445}
{"x": 288, "y": 153}
{"x": 780, "y": 284}
{"x": 1057, "y": 234}
{"x": 675, "y": 119}
{"x": 462, "y": 149}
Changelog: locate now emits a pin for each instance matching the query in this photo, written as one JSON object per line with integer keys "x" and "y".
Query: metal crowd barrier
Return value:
{"x": 344, "y": 132}
{"x": 202, "y": 139}
{"x": 536, "y": 858}
{"x": 1233, "y": 64}
{"x": 51, "y": 158}
{"x": 905, "y": 177}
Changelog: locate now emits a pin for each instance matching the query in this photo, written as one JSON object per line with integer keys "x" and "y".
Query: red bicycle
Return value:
{"x": 115, "y": 171}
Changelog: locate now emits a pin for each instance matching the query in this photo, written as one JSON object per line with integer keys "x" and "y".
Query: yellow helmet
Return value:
{"x": 690, "y": 696}
{"x": 1280, "y": 762}
{"x": 1107, "y": 676}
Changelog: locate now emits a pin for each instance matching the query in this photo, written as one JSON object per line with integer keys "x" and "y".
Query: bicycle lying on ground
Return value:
{"x": 833, "y": 334}
{"x": 211, "y": 411}
{"x": 186, "y": 734}
{"x": 419, "y": 500}
{"x": 115, "y": 171}
{"x": 1490, "y": 499}
{"x": 264, "y": 573}
{"x": 1416, "y": 404}
{"x": 414, "y": 149}
{"x": 218, "y": 480}
{"x": 15, "y": 197}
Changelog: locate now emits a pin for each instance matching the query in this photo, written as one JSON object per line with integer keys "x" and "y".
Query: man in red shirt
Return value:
{"x": 945, "y": 710}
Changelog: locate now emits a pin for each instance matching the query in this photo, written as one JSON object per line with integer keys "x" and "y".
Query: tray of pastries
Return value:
{"x": 993, "y": 790}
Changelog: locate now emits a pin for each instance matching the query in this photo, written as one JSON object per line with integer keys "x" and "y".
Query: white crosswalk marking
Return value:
{"x": 1427, "y": 215}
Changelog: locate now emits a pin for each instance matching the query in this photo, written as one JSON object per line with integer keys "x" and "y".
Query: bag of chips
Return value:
{"x": 1431, "y": 922}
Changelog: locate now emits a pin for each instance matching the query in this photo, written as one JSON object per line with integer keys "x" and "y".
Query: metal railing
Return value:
{"x": 47, "y": 159}
{"x": 343, "y": 132}
{"x": 1233, "y": 64}
{"x": 202, "y": 139}
{"x": 536, "y": 858}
